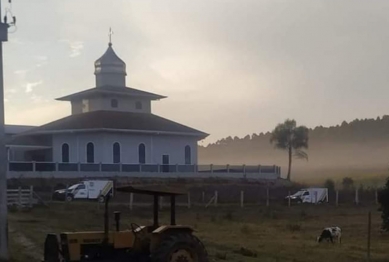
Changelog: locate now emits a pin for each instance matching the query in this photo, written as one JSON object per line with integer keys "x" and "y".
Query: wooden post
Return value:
{"x": 356, "y": 196}
{"x": 216, "y": 198}
{"x": 289, "y": 199}
{"x": 189, "y": 204}
{"x": 66, "y": 193}
{"x": 31, "y": 195}
{"x": 337, "y": 198}
{"x": 98, "y": 202}
{"x": 376, "y": 196}
{"x": 160, "y": 203}
{"x": 20, "y": 196}
{"x": 242, "y": 199}
{"x": 131, "y": 200}
{"x": 368, "y": 235}
{"x": 203, "y": 196}
{"x": 267, "y": 197}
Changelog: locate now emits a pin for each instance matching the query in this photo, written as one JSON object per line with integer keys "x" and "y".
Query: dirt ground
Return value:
{"x": 270, "y": 234}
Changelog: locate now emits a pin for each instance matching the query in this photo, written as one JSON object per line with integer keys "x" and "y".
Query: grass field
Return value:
{"x": 276, "y": 233}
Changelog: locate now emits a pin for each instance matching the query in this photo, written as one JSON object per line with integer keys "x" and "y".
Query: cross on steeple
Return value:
{"x": 110, "y": 36}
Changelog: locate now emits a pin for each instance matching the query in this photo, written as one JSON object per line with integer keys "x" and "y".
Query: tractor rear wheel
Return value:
{"x": 182, "y": 247}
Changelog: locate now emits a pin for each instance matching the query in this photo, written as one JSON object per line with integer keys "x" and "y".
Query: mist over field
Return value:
{"x": 358, "y": 149}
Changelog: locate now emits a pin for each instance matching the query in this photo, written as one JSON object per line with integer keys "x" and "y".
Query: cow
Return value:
{"x": 329, "y": 233}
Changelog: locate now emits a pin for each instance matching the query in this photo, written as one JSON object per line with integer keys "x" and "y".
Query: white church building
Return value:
{"x": 111, "y": 129}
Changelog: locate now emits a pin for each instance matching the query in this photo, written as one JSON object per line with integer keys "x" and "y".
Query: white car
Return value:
{"x": 88, "y": 189}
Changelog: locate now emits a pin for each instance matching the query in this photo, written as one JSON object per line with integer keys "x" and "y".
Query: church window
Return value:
{"x": 90, "y": 153}
{"x": 85, "y": 105}
{"x": 116, "y": 152}
{"x": 138, "y": 105}
{"x": 114, "y": 103}
{"x": 65, "y": 153}
{"x": 188, "y": 155}
{"x": 142, "y": 153}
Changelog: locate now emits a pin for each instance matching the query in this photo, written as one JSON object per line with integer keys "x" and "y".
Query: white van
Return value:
{"x": 87, "y": 189}
{"x": 310, "y": 195}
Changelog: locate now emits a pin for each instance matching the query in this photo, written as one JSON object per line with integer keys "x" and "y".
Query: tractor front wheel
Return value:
{"x": 180, "y": 248}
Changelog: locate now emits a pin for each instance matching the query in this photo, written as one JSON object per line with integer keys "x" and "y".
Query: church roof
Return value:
{"x": 114, "y": 90}
{"x": 115, "y": 121}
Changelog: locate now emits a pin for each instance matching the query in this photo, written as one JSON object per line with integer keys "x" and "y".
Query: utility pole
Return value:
{"x": 3, "y": 153}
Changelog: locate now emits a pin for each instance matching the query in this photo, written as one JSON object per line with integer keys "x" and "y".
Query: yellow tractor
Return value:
{"x": 154, "y": 243}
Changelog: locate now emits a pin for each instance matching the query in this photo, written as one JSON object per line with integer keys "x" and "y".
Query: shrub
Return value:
{"x": 330, "y": 184}
{"x": 347, "y": 183}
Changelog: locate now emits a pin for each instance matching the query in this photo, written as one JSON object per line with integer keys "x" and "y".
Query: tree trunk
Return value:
{"x": 290, "y": 162}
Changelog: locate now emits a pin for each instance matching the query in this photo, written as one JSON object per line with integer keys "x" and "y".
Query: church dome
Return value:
{"x": 110, "y": 69}
{"x": 109, "y": 62}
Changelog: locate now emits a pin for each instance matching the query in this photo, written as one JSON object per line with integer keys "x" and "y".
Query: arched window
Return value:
{"x": 114, "y": 103}
{"x": 90, "y": 153}
{"x": 142, "y": 153}
{"x": 138, "y": 105}
{"x": 188, "y": 156}
{"x": 65, "y": 153}
{"x": 116, "y": 152}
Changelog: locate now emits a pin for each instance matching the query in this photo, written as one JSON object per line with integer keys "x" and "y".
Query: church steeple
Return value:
{"x": 110, "y": 70}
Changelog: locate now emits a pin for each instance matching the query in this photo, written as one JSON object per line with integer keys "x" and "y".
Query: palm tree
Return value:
{"x": 288, "y": 136}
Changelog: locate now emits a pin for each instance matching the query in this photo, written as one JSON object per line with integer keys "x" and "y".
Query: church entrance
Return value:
{"x": 165, "y": 163}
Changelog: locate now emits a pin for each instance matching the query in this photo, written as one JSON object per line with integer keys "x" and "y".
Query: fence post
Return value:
{"x": 33, "y": 166}
{"x": 315, "y": 197}
{"x": 216, "y": 198}
{"x": 244, "y": 169}
{"x": 31, "y": 195}
{"x": 356, "y": 196}
{"x": 259, "y": 169}
{"x": 203, "y": 196}
{"x": 289, "y": 199}
{"x": 267, "y": 196}
{"x": 160, "y": 203}
{"x": 337, "y": 198}
{"x": 20, "y": 196}
{"x": 211, "y": 166}
{"x": 228, "y": 168}
{"x": 131, "y": 200}
{"x": 189, "y": 204}
{"x": 242, "y": 199}
{"x": 376, "y": 196}
{"x": 368, "y": 235}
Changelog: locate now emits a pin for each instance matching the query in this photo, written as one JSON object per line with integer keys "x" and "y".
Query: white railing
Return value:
{"x": 140, "y": 168}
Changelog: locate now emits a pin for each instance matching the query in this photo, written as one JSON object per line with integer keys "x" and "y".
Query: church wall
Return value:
{"x": 126, "y": 104}
{"x": 77, "y": 146}
{"x": 76, "y": 107}
{"x": 174, "y": 146}
{"x": 156, "y": 146}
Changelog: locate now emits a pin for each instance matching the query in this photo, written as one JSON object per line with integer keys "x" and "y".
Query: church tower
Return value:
{"x": 110, "y": 70}
{"x": 111, "y": 92}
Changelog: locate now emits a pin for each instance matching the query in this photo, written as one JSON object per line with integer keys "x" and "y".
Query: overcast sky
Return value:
{"x": 227, "y": 67}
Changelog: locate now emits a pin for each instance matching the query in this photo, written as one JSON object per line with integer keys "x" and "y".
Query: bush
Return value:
{"x": 347, "y": 183}
{"x": 330, "y": 184}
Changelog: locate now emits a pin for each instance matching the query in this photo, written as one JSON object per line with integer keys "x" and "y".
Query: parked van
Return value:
{"x": 309, "y": 195}
{"x": 87, "y": 189}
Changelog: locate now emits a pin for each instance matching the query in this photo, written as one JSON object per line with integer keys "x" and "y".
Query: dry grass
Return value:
{"x": 232, "y": 234}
